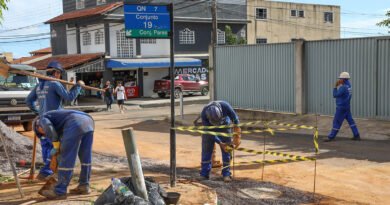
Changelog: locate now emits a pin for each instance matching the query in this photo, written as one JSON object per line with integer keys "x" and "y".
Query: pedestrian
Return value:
{"x": 214, "y": 114}
{"x": 71, "y": 132}
{"x": 343, "y": 94}
{"x": 108, "y": 97}
{"x": 120, "y": 96}
{"x": 49, "y": 95}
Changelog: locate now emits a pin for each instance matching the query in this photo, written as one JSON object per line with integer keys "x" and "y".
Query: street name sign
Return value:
{"x": 147, "y": 21}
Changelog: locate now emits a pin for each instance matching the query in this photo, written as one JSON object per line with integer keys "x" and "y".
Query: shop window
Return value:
{"x": 100, "y": 2}
{"x": 261, "y": 13}
{"x": 80, "y": 4}
{"x": 187, "y": 36}
{"x": 125, "y": 46}
{"x": 328, "y": 17}
{"x": 148, "y": 41}
{"x": 86, "y": 39}
{"x": 99, "y": 37}
{"x": 221, "y": 37}
{"x": 261, "y": 41}
{"x": 146, "y": 73}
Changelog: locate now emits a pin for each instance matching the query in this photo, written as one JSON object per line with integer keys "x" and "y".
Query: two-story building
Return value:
{"x": 93, "y": 30}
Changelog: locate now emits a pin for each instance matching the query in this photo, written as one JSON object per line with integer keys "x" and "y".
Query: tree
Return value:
{"x": 231, "y": 38}
{"x": 3, "y": 6}
{"x": 385, "y": 22}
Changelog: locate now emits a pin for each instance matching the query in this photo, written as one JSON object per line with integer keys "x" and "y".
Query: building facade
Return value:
{"x": 277, "y": 22}
{"x": 97, "y": 26}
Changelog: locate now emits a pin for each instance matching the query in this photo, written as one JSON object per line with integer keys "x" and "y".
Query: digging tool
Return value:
{"x": 5, "y": 69}
{"x": 32, "y": 169}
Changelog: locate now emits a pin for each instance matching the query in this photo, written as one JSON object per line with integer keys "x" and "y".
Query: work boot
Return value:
{"x": 328, "y": 139}
{"x": 227, "y": 179}
{"x": 202, "y": 178}
{"x": 356, "y": 138}
{"x": 52, "y": 195}
{"x": 43, "y": 178}
{"x": 80, "y": 190}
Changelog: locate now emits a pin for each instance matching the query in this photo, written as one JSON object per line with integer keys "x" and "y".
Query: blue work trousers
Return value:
{"x": 71, "y": 146}
{"x": 341, "y": 115}
{"x": 46, "y": 147}
{"x": 208, "y": 142}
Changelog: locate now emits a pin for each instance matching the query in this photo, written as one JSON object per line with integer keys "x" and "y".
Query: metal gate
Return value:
{"x": 383, "y": 109}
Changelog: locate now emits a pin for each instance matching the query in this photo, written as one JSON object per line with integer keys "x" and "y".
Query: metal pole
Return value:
{"x": 214, "y": 40}
{"x": 12, "y": 166}
{"x": 137, "y": 175}
{"x": 182, "y": 105}
{"x": 315, "y": 165}
{"x": 172, "y": 130}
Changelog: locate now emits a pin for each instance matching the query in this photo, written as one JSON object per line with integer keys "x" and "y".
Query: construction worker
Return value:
{"x": 72, "y": 135}
{"x": 343, "y": 94}
{"x": 214, "y": 114}
{"x": 49, "y": 95}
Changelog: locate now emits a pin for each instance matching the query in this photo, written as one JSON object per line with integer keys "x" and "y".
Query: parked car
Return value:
{"x": 184, "y": 83}
{"x": 13, "y": 93}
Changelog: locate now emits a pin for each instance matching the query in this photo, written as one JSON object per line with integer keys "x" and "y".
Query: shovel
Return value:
{"x": 5, "y": 69}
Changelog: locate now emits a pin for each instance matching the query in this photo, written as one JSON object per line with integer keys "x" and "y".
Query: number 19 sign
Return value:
{"x": 147, "y": 21}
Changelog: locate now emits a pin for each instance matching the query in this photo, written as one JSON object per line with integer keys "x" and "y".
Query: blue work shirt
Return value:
{"x": 49, "y": 95}
{"x": 66, "y": 122}
{"x": 343, "y": 95}
{"x": 229, "y": 116}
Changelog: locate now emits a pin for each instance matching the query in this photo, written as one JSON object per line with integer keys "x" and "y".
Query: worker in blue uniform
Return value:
{"x": 72, "y": 135}
{"x": 213, "y": 114}
{"x": 343, "y": 94}
{"x": 49, "y": 95}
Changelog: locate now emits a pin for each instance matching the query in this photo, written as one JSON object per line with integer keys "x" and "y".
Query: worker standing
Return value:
{"x": 343, "y": 94}
{"x": 214, "y": 114}
{"x": 49, "y": 95}
{"x": 71, "y": 132}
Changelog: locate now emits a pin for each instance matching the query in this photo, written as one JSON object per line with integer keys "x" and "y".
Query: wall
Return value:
{"x": 257, "y": 76}
{"x": 153, "y": 74}
{"x": 114, "y": 27}
{"x": 93, "y": 48}
{"x": 71, "y": 40}
{"x": 59, "y": 43}
{"x": 280, "y": 26}
{"x": 160, "y": 49}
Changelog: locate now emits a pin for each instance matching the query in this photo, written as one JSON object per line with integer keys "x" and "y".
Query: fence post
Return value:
{"x": 137, "y": 176}
{"x": 300, "y": 98}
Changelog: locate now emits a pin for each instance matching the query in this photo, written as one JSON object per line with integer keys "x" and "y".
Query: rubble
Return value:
{"x": 19, "y": 148}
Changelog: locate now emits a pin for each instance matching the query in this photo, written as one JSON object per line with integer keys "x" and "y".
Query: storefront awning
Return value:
{"x": 121, "y": 64}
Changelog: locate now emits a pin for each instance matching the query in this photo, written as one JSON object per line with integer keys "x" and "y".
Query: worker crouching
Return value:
{"x": 214, "y": 114}
{"x": 72, "y": 135}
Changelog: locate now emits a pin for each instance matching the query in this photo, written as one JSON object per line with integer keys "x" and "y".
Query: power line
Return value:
{"x": 22, "y": 41}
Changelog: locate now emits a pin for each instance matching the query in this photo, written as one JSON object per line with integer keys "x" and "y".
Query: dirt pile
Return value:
{"x": 19, "y": 148}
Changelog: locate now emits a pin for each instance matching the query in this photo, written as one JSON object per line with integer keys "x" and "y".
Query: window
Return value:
{"x": 301, "y": 14}
{"x": 328, "y": 17}
{"x": 86, "y": 39}
{"x": 221, "y": 37}
{"x": 261, "y": 41}
{"x": 261, "y": 13}
{"x": 124, "y": 46}
{"x": 187, "y": 36}
{"x": 294, "y": 13}
{"x": 148, "y": 41}
{"x": 53, "y": 33}
{"x": 80, "y": 4}
{"x": 100, "y": 2}
{"x": 99, "y": 37}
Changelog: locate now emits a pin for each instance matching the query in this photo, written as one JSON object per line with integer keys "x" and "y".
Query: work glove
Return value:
{"x": 236, "y": 137}
{"x": 53, "y": 152}
{"x": 56, "y": 148}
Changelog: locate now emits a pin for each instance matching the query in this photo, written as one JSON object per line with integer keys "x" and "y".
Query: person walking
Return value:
{"x": 71, "y": 132}
{"x": 214, "y": 114}
{"x": 108, "y": 94}
{"x": 50, "y": 95}
{"x": 120, "y": 96}
{"x": 343, "y": 94}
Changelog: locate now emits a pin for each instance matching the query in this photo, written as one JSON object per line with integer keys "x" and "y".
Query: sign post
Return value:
{"x": 156, "y": 21}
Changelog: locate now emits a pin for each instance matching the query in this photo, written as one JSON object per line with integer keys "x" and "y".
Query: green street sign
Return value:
{"x": 142, "y": 33}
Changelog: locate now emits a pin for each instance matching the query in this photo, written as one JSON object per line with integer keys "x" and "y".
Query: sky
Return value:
{"x": 26, "y": 17}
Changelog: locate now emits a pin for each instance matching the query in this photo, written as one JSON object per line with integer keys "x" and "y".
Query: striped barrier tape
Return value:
{"x": 292, "y": 125}
{"x": 279, "y": 154}
{"x": 263, "y": 162}
{"x": 315, "y": 140}
{"x": 223, "y": 134}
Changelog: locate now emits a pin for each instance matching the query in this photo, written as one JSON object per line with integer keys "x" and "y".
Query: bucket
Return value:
{"x": 172, "y": 198}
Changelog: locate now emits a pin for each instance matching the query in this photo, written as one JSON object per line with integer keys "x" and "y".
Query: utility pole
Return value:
{"x": 214, "y": 42}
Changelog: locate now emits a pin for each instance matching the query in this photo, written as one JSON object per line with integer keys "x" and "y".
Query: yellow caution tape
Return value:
{"x": 292, "y": 125}
{"x": 315, "y": 141}
{"x": 223, "y": 134}
{"x": 276, "y": 161}
{"x": 279, "y": 154}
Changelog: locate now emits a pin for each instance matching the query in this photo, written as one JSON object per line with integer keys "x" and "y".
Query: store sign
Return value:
{"x": 200, "y": 72}
{"x": 147, "y": 21}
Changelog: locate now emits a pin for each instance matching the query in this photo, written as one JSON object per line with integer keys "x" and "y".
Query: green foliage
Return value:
{"x": 231, "y": 38}
{"x": 385, "y": 22}
{"x": 3, "y": 6}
